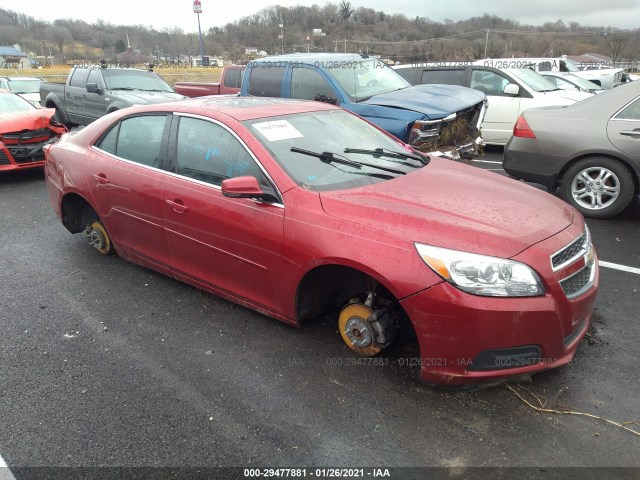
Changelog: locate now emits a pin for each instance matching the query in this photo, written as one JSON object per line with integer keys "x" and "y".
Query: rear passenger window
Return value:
{"x": 233, "y": 78}
{"x": 137, "y": 139}
{"x": 630, "y": 112}
{"x": 544, "y": 67}
{"x": 266, "y": 80}
{"x": 79, "y": 77}
{"x": 448, "y": 77}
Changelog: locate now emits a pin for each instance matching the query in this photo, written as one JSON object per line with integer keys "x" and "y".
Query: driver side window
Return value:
{"x": 307, "y": 84}
{"x": 488, "y": 82}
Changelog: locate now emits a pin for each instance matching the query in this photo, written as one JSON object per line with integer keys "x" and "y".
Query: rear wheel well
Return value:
{"x": 77, "y": 213}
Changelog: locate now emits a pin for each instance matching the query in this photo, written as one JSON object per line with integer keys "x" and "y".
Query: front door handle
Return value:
{"x": 177, "y": 205}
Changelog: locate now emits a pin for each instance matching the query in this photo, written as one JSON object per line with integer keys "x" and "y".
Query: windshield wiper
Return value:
{"x": 383, "y": 152}
{"x": 329, "y": 157}
{"x": 124, "y": 88}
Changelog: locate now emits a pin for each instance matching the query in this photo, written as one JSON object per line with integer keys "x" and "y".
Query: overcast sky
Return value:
{"x": 624, "y": 14}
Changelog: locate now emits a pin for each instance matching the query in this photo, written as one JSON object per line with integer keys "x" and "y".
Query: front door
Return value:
{"x": 231, "y": 245}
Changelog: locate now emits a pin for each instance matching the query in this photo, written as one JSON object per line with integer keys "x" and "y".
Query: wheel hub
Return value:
{"x": 359, "y": 332}
{"x": 595, "y": 188}
{"x": 96, "y": 239}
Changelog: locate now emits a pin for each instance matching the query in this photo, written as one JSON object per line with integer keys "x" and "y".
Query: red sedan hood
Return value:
{"x": 31, "y": 120}
{"x": 451, "y": 205}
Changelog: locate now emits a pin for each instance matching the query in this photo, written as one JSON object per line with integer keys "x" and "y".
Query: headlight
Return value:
{"x": 481, "y": 275}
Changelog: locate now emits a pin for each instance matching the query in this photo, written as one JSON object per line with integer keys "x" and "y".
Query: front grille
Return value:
{"x": 578, "y": 283}
{"x": 4, "y": 158}
{"x": 26, "y": 135}
{"x": 456, "y": 135}
{"x": 570, "y": 253}
{"x": 27, "y": 153}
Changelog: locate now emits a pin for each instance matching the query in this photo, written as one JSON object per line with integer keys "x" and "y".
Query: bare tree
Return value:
{"x": 617, "y": 44}
{"x": 345, "y": 10}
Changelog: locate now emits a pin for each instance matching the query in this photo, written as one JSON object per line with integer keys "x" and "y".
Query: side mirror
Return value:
{"x": 325, "y": 99}
{"x": 243, "y": 187}
{"x": 93, "y": 88}
{"x": 511, "y": 89}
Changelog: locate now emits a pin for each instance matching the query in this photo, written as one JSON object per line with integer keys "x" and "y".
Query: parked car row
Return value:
{"x": 93, "y": 91}
{"x": 299, "y": 209}
{"x": 510, "y": 91}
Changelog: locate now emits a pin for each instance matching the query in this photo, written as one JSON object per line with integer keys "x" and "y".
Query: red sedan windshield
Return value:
{"x": 331, "y": 132}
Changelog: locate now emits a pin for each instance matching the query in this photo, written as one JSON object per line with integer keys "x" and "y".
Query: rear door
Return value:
{"x": 624, "y": 130}
{"x": 126, "y": 183}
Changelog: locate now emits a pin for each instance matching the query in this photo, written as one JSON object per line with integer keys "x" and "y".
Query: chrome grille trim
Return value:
{"x": 569, "y": 254}
{"x": 578, "y": 283}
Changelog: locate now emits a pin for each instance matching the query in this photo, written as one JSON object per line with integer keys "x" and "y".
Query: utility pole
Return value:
{"x": 486, "y": 42}
{"x": 281, "y": 36}
{"x": 197, "y": 9}
{"x": 335, "y": 45}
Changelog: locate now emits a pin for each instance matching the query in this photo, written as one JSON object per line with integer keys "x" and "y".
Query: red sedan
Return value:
{"x": 297, "y": 209}
{"x": 24, "y": 129}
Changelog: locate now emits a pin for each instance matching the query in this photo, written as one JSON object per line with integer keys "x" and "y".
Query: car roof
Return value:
{"x": 603, "y": 105}
{"x": 317, "y": 57}
{"x": 22, "y": 78}
{"x": 241, "y": 108}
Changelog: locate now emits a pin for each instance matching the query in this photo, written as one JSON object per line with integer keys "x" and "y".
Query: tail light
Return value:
{"x": 522, "y": 129}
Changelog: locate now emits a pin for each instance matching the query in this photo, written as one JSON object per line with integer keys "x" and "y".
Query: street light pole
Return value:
{"x": 197, "y": 9}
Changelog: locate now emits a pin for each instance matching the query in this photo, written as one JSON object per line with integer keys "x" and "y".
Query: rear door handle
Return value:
{"x": 178, "y": 206}
{"x": 630, "y": 133}
{"x": 101, "y": 178}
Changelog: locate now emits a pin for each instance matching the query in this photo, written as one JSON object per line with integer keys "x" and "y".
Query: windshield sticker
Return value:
{"x": 277, "y": 130}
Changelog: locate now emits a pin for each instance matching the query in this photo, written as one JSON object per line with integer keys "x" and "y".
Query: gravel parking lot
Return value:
{"x": 107, "y": 364}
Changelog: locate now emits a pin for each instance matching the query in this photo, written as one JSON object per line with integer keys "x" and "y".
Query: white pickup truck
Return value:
{"x": 605, "y": 77}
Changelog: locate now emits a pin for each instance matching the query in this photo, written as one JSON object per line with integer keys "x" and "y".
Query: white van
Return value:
{"x": 605, "y": 77}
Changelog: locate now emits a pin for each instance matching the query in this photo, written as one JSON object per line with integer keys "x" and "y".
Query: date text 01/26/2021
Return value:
{"x": 316, "y": 472}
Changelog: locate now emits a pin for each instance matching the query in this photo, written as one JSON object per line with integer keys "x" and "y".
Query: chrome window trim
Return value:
{"x": 279, "y": 204}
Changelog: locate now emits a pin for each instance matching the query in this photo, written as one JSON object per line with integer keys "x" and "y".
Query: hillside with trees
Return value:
{"x": 330, "y": 27}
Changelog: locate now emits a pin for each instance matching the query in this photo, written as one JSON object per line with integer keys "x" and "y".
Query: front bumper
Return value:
{"x": 467, "y": 339}
{"x": 8, "y": 162}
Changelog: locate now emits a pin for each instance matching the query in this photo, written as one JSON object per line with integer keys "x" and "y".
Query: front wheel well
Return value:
{"x": 348, "y": 292}
{"x": 77, "y": 213}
